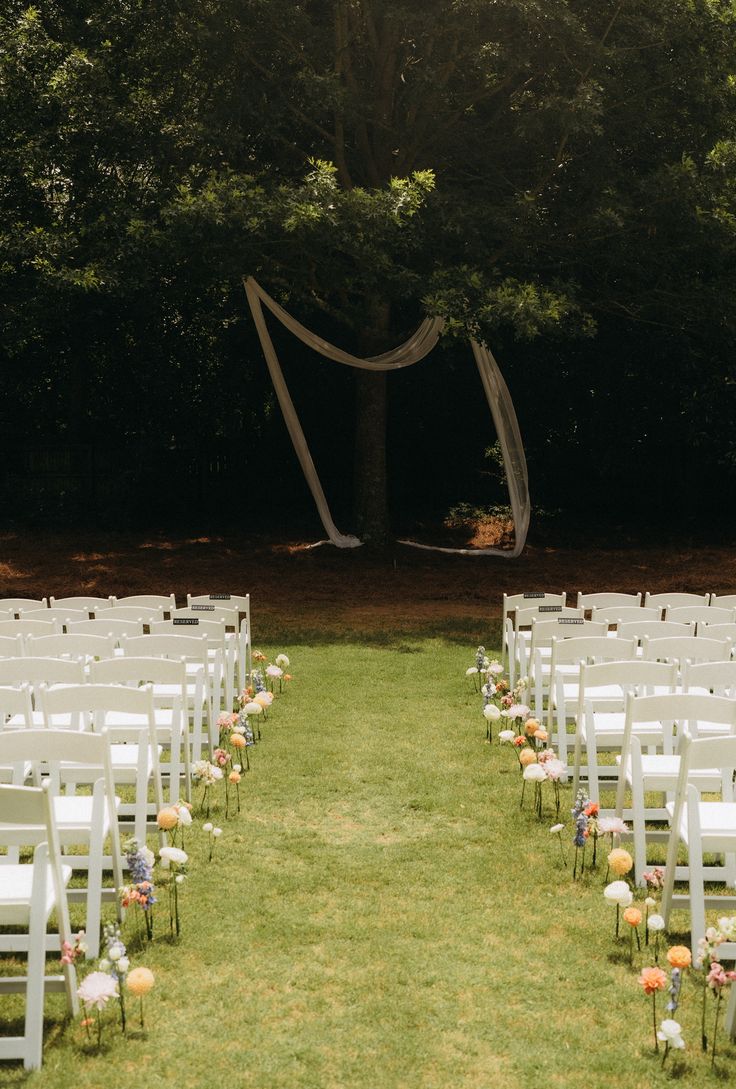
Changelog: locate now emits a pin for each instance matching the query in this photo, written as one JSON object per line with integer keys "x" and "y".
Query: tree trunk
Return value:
{"x": 371, "y": 492}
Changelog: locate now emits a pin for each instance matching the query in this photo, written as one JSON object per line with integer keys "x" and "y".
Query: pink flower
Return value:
{"x": 717, "y": 977}
{"x": 518, "y": 710}
{"x": 97, "y": 989}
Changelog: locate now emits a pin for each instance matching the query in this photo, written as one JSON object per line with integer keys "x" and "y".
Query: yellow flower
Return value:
{"x": 620, "y": 861}
{"x": 167, "y": 818}
{"x": 140, "y": 981}
{"x": 679, "y": 956}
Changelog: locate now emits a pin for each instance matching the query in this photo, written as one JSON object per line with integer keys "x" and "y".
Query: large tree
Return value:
{"x": 541, "y": 166}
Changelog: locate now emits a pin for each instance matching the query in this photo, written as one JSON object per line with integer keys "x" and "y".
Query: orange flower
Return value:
{"x": 526, "y": 757}
{"x": 632, "y": 916}
{"x": 592, "y": 809}
{"x": 652, "y": 979}
{"x": 237, "y": 741}
{"x": 167, "y": 818}
{"x": 541, "y": 735}
{"x": 620, "y": 861}
{"x": 679, "y": 956}
{"x": 234, "y": 776}
{"x": 530, "y": 726}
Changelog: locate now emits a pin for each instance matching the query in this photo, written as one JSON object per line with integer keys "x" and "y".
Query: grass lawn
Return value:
{"x": 382, "y": 914}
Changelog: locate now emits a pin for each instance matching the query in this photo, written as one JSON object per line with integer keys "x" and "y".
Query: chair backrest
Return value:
{"x": 167, "y": 602}
{"x": 718, "y": 677}
{"x": 129, "y": 670}
{"x": 70, "y": 646}
{"x": 566, "y": 627}
{"x": 679, "y": 648}
{"x": 209, "y": 611}
{"x": 30, "y": 627}
{"x": 26, "y": 817}
{"x": 632, "y": 675}
{"x": 7, "y": 614}
{"x": 62, "y": 615}
{"x": 87, "y": 706}
{"x": 606, "y": 600}
{"x": 624, "y": 614}
{"x": 683, "y": 707}
{"x": 510, "y": 601}
{"x": 86, "y": 604}
{"x": 37, "y": 671}
{"x": 193, "y": 648}
{"x": 598, "y": 647}
{"x": 524, "y": 618}
{"x": 55, "y": 748}
{"x": 673, "y": 599}
{"x": 146, "y": 614}
{"x": 213, "y": 630}
{"x": 724, "y": 601}
{"x": 15, "y": 604}
{"x": 710, "y": 614}
{"x": 241, "y": 602}
{"x": 655, "y": 628}
{"x": 102, "y": 626}
{"x": 716, "y": 631}
{"x": 11, "y": 646}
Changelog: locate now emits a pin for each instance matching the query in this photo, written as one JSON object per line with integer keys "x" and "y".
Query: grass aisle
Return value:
{"x": 382, "y": 914}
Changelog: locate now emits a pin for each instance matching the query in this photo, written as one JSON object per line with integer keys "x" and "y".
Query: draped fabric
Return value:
{"x": 405, "y": 355}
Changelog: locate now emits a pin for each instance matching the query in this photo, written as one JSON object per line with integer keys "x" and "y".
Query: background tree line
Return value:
{"x": 555, "y": 176}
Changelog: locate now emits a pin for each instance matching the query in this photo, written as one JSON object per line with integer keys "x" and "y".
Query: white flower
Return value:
{"x": 97, "y": 988}
{"x": 519, "y": 710}
{"x": 507, "y": 735}
{"x": 504, "y": 712}
{"x": 556, "y": 770}
{"x": 253, "y": 709}
{"x": 274, "y": 671}
{"x": 655, "y": 922}
{"x": 104, "y": 965}
{"x": 491, "y": 712}
{"x": 179, "y": 878}
{"x": 148, "y": 856}
{"x": 495, "y": 667}
{"x": 469, "y": 672}
{"x": 216, "y": 832}
{"x": 670, "y": 1033}
{"x": 115, "y": 952}
{"x": 522, "y": 684}
{"x": 207, "y": 827}
{"x": 727, "y": 927}
{"x": 612, "y": 826}
{"x": 535, "y": 773}
{"x": 173, "y": 854}
{"x": 185, "y": 817}
{"x": 650, "y": 902}
{"x": 237, "y": 767}
{"x": 282, "y": 660}
{"x": 555, "y": 829}
{"x": 123, "y": 965}
{"x": 618, "y": 892}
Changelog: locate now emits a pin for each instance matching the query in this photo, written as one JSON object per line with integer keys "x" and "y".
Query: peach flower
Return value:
{"x": 167, "y": 818}
{"x": 679, "y": 956}
{"x": 632, "y": 916}
{"x": 620, "y": 861}
{"x": 652, "y": 980}
{"x": 526, "y": 757}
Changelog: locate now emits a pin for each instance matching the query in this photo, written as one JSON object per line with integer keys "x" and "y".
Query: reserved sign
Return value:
{"x": 534, "y": 593}
{"x": 219, "y": 597}
{"x": 550, "y": 608}
{"x": 570, "y": 620}
{"x": 186, "y": 620}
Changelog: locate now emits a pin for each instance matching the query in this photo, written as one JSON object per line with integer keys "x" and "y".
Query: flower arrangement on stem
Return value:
{"x": 234, "y": 780}
{"x": 619, "y": 862}
{"x": 94, "y": 992}
{"x": 214, "y": 834}
{"x": 717, "y": 979}
{"x": 208, "y": 775}
{"x": 171, "y": 859}
{"x": 709, "y": 954}
{"x": 140, "y": 982}
{"x": 618, "y": 893}
{"x": 655, "y": 924}
{"x": 70, "y": 951}
{"x": 141, "y": 891}
{"x": 632, "y": 916}
{"x": 536, "y": 774}
{"x": 580, "y": 835}
{"x": 653, "y": 980}
{"x": 557, "y": 830}
{"x": 115, "y": 962}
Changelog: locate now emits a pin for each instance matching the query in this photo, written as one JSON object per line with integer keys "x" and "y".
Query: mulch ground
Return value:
{"x": 343, "y": 590}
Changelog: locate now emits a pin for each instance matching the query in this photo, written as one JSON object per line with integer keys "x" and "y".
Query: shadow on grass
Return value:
{"x": 459, "y": 631}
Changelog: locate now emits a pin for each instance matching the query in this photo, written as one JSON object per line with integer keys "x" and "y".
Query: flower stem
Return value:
{"x": 715, "y": 1030}
{"x": 703, "y": 1036}
{"x": 654, "y": 1020}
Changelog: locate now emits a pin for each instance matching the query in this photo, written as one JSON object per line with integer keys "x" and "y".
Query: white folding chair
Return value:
{"x": 716, "y": 631}
{"x": 703, "y": 826}
{"x": 30, "y": 627}
{"x": 128, "y": 714}
{"x": 169, "y": 681}
{"x": 193, "y": 650}
{"x": 605, "y": 600}
{"x": 511, "y": 602}
{"x": 601, "y": 720}
{"x": 723, "y": 601}
{"x": 81, "y": 819}
{"x": 657, "y": 772}
{"x": 241, "y": 602}
{"x": 12, "y": 646}
{"x": 15, "y": 707}
{"x": 718, "y": 678}
{"x": 146, "y": 614}
{"x": 695, "y": 648}
{"x": 564, "y": 683}
{"x": 29, "y": 894}
{"x": 540, "y": 649}
{"x": 38, "y": 671}
{"x": 654, "y": 629}
{"x": 521, "y": 622}
{"x": 221, "y": 681}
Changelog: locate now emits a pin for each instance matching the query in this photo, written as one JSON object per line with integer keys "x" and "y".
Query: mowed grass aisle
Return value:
{"x": 381, "y": 914}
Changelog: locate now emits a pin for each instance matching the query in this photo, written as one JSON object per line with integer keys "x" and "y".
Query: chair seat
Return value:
{"x": 73, "y": 814}
{"x": 717, "y": 822}
{"x": 16, "y": 884}
{"x": 125, "y": 758}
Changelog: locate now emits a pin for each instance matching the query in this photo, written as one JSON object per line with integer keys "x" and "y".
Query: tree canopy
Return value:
{"x": 554, "y": 176}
